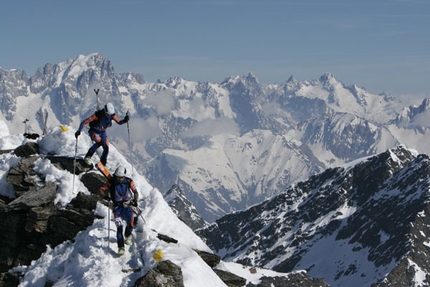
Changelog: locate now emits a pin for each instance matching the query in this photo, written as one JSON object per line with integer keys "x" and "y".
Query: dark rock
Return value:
{"x": 32, "y": 221}
{"x": 300, "y": 279}
{"x": 8, "y": 280}
{"x": 183, "y": 208}
{"x": 70, "y": 164}
{"x": 32, "y": 136}
{"x": 93, "y": 181}
{"x": 27, "y": 150}
{"x": 21, "y": 176}
{"x": 6, "y": 151}
{"x": 166, "y": 238}
{"x": 36, "y": 197}
{"x": 230, "y": 279}
{"x": 84, "y": 203}
{"x": 166, "y": 274}
{"x": 211, "y": 259}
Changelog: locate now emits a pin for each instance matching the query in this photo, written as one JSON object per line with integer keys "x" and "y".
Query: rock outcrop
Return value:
{"x": 31, "y": 221}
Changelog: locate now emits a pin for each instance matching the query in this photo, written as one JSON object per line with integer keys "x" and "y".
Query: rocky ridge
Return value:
{"x": 358, "y": 225}
{"x": 183, "y": 208}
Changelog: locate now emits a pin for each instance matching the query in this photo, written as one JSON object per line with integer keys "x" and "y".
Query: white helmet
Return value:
{"x": 109, "y": 109}
{"x": 120, "y": 171}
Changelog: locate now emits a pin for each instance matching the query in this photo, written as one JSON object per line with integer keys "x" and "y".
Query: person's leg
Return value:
{"x": 119, "y": 229}
{"x": 97, "y": 143}
{"x": 129, "y": 216}
{"x": 105, "y": 144}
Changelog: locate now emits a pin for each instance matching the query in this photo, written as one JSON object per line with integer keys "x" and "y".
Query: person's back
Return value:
{"x": 99, "y": 122}
{"x": 99, "y": 125}
{"x": 124, "y": 194}
{"x": 121, "y": 193}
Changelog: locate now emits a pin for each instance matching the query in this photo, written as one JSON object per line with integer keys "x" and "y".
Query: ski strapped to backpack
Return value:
{"x": 102, "y": 168}
{"x": 97, "y": 96}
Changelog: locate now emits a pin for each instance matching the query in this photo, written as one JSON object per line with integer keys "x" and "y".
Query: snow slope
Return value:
{"x": 92, "y": 259}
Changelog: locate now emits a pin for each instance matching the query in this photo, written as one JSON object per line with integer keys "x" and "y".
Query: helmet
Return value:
{"x": 120, "y": 171}
{"x": 109, "y": 109}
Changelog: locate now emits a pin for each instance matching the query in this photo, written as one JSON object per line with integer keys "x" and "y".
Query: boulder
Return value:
{"x": 230, "y": 279}
{"x": 165, "y": 274}
{"x": 30, "y": 148}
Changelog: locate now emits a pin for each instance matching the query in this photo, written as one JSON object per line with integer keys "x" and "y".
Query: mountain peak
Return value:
{"x": 327, "y": 78}
{"x": 82, "y": 63}
{"x": 291, "y": 79}
{"x": 252, "y": 78}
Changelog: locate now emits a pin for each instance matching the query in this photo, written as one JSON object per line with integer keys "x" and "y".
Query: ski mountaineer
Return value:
{"x": 123, "y": 192}
{"x": 99, "y": 122}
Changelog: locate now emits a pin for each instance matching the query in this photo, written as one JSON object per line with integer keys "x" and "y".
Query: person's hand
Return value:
{"x": 134, "y": 202}
{"x": 77, "y": 134}
{"x": 126, "y": 118}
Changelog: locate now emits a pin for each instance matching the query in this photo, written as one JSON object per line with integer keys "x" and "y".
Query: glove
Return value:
{"x": 126, "y": 118}
{"x": 77, "y": 134}
{"x": 134, "y": 202}
{"x": 107, "y": 197}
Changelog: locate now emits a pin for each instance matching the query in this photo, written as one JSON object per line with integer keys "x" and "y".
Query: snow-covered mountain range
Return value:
{"x": 228, "y": 145}
{"x": 361, "y": 224}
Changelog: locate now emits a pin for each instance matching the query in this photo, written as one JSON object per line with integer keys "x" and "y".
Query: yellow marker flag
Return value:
{"x": 64, "y": 128}
{"x": 158, "y": 255}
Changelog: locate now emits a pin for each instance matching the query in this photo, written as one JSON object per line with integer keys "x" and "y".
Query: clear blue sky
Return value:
{"x": 382, "y": 45}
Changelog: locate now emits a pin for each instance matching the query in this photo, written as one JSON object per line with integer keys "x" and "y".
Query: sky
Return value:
{"x": 92, "y": 260}
{"x": 383, "y": 46}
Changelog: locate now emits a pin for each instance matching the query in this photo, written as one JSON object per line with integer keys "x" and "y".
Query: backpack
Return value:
{"x": 112, "y": 188}
{"x": 99, "y": 114}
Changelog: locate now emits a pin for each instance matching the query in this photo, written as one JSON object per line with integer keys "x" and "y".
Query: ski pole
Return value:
{"x": 139, "y": 212}
{"x": 46, "y": 122}
{"x": 109, "y": 224}
{"x": 129, "y": 141}
{"x": 74, "y": 165}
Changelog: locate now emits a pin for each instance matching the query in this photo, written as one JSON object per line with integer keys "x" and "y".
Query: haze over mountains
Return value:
{"x": 228, "y": 145}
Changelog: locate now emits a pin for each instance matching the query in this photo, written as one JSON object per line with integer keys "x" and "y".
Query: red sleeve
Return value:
{"x": 104, "y": 187}
{"x": 88, "y": 120}
{"x": 134, "y": 189}
{"x": 116, "y": 119}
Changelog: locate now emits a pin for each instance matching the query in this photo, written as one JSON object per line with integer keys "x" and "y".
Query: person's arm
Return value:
{"x": 134, "y": 190}
{"x": 105, "y": 190}
{"x": 118, "y": 121}
{"x": 86, "y": 121}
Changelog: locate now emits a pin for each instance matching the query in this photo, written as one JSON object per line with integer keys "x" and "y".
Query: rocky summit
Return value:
{"x": 363, "y": 224}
